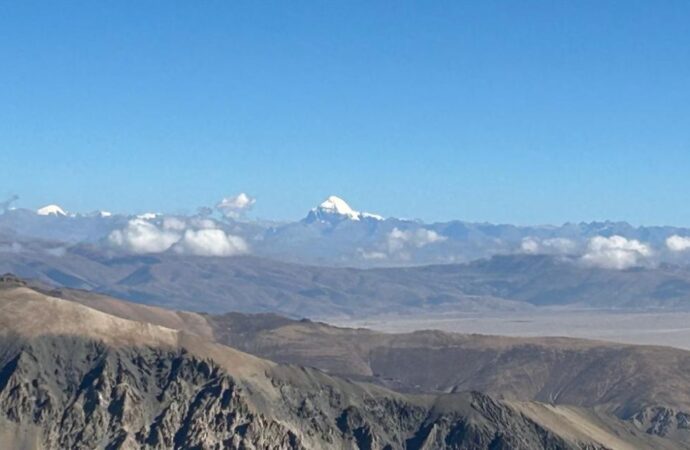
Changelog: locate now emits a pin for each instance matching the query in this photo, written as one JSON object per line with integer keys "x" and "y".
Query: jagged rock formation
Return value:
{"x": 67, "y": 392}
{"x": 663, "y": 421}
{"x": 83, "y": 394}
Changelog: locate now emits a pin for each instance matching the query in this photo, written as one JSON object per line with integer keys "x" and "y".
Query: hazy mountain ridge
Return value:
{"x": 335, "y": 234}
{"x": 250, "y": 284}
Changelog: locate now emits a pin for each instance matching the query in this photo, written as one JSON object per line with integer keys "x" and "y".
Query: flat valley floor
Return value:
{"x": 647, "y": 328}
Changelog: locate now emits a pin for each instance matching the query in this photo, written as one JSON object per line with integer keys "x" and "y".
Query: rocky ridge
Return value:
{"x": 140, "y": 385}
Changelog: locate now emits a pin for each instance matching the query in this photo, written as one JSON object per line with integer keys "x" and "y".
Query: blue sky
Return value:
{"x": 505, "y": 111}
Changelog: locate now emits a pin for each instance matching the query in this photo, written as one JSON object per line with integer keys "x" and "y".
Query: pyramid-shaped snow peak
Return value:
{"x": 336, "y": 205}
{"x": 336, "y": 209}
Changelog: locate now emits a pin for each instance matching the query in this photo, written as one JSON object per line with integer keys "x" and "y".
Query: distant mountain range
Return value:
{"x": 335, "y": 234}
{"x": 339, "y": 262}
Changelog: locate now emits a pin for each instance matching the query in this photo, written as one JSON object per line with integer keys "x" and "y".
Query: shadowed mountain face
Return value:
{"x": 249, "y": 284}
{"x": 89, "y": 379}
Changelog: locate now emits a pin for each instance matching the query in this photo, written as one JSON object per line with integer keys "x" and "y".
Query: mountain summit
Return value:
{"x": 51, "y": 210}
{"x": 336, "y": 205}
{"x": 335, "y": 209}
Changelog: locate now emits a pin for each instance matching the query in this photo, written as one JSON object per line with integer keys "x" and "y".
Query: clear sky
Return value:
{"x": 502, "y": 111}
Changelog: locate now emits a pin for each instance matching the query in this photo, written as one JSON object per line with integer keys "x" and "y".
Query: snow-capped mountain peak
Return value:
{"x": 336, "y": 205}
{"x": 336, "y": 209}
{"x": 51, "y": 210}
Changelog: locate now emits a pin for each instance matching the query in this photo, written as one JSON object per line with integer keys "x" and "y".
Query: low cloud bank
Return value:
{"x": 399, "y": 240}
{"x": 552, "y": 246}
{"x": 210, "y": 242}
{"x": 677, "y": 243}
{"x": 142, "y": 236}
{"x": 398, "y": 244}
{"x": 615, "y": 252}
{"x": 194, "y": 237}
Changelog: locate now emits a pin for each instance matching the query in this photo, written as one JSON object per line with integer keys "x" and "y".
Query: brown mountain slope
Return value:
{"x": 648, "y": 386}
{"x": 75, "y": 377}
{"x": 255, "y": 285}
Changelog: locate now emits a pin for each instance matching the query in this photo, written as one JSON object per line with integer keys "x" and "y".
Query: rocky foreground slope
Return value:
{"x": 646, "y": 386}
{"x": 75, "y": 377}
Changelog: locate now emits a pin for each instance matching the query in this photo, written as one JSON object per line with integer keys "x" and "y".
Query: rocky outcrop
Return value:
{"x": 663, "y": 421}
{"x": 82, "y": 394}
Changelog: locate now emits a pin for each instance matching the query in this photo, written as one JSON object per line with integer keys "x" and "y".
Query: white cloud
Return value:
{"x": 141, "y": 236}
{"x": 173, "y": 223}
{"x": 203, "y": 223}
{"x": 210, "y": 242}
{"x": 399, "y": 240}
{"x": 235, "y": 206}
{"x": 203, "y": 238}
{"x": 615, "y": 252}
{"x": 530, "y": 245}
{"x": 677, "y": 243}
{"x": 552, "y": 246}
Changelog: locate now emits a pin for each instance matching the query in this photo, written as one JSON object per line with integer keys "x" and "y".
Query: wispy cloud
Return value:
{"x": 399, "y": 242}
{"x": 236, "y": 206}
